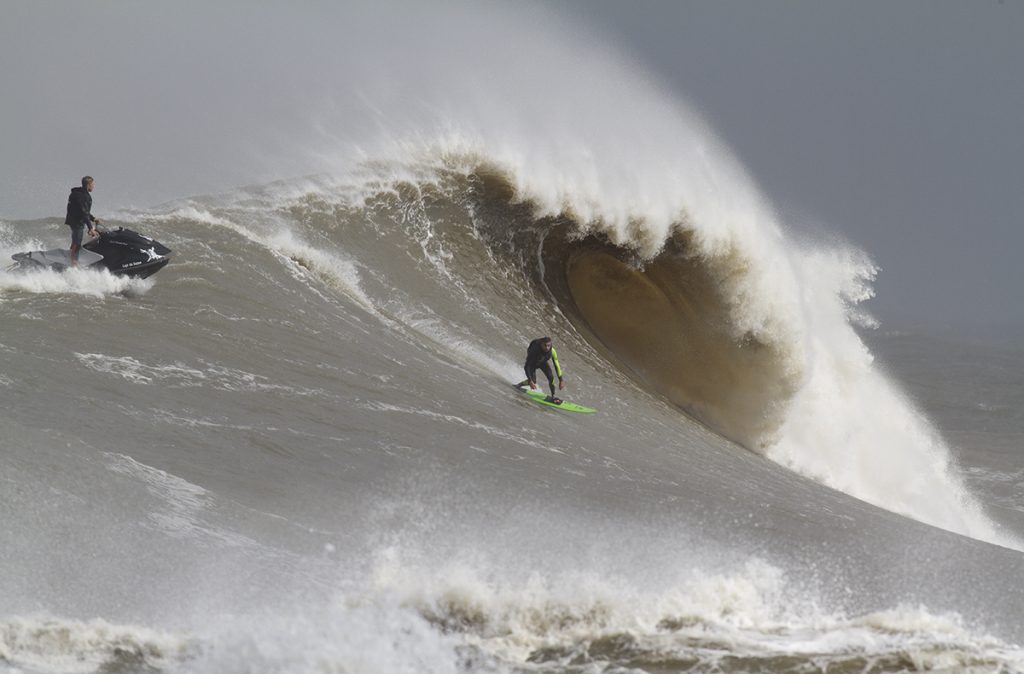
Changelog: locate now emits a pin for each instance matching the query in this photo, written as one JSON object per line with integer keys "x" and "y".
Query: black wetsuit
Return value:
{"x": 539, "y": 359}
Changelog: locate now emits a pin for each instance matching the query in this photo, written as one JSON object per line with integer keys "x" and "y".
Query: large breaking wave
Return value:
{"x": 625, "y": 212}
{"x": 304, "y": 361}
{"x": 702, "y": 298}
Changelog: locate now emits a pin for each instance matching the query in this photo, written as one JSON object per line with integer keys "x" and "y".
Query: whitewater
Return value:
{"x": 295, "y": 449}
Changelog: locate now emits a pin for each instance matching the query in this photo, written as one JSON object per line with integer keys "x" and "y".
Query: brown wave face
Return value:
{"x": 666, "y": 322}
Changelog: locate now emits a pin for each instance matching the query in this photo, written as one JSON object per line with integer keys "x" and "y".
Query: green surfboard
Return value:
{"x": 566, "y": 406}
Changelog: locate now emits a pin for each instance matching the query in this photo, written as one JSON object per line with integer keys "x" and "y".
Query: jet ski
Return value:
{"x": 120, "y": 251}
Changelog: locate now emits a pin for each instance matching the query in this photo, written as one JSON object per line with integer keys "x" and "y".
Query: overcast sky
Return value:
{"x": 896, "y": 124}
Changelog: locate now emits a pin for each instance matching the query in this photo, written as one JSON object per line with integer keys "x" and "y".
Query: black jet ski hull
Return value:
{"x": 121, "y": 251}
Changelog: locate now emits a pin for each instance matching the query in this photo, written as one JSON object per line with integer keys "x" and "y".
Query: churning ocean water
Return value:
{"x": 296, "y": 448}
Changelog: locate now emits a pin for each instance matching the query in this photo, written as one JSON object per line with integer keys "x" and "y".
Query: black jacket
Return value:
{"x": 79, "y": 208}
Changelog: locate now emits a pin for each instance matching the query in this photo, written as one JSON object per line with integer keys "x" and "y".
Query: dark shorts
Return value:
{"x": 76, "y": 235}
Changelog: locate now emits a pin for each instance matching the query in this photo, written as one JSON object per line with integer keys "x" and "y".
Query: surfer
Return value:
{"x": 80, "y": 216}
{"x": 539, "y": 356}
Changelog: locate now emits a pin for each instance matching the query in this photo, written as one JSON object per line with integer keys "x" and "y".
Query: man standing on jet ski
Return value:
{"x": 80, "y": 216}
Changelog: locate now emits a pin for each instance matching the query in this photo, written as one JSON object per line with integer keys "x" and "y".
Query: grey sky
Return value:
{"x": 896, "y": 124}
